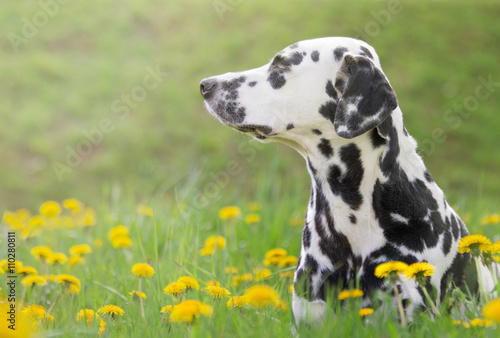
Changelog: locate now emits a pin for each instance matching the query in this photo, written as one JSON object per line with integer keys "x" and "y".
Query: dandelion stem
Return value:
{"x": 400, "y": 306}
{"x": 140, "y": 299}
{"x": 433, "y": 306}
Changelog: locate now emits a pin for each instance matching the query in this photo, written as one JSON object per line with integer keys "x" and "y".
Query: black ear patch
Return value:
{"x": 367, "y": 98}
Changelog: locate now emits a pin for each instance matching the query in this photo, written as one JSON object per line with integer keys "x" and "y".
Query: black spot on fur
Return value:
{"x": 306, "y": 237}
{"x": 398, "y": 196}
{"x": 339, "y": 52}
{"x": 276, "y": 79}
{"x": 296, "y": 58}
{"x": 366, "y": 52}
{"x": 331, "y": 91}
{"x": 428, "y": 176}
{"x": 290, "y": 126}
{"x": 447, "y": 242}
{"x": 229, "y": 108}
{"x": 353, "y": 219}
{"x": 376, "y": 139}
{"x": 315, "y": 56}
{"x": 252, "y": 84}
{"x": 317, "y": 131}
{"x": 347, "y": 184}
{"x": 295, "y": 45}
{"x": 325, "y": 148}
{"x": 327, "y": 110}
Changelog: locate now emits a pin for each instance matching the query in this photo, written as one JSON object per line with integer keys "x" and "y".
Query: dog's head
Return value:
{"x": 332, "y": 85}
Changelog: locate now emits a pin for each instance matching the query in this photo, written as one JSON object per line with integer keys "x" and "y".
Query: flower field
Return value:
{"x": 127, "y": 271}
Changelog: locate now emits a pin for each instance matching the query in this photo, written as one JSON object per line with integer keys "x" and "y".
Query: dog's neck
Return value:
{"x": 344, "y": 172}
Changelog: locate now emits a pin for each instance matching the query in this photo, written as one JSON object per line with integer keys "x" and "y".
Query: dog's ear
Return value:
{"x": 366, "y": 97}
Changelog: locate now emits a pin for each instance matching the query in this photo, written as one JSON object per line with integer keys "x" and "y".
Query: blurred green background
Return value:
{"x": 78, "y": 120}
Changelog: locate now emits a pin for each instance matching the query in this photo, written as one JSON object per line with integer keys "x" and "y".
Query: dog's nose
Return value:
{"x": 206, "y": 86}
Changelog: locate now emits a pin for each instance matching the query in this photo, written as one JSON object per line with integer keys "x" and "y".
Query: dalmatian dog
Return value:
{"x": 372, "y": 198}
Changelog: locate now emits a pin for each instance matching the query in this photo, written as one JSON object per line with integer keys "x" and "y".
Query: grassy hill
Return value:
{"x": 78, "y": 121}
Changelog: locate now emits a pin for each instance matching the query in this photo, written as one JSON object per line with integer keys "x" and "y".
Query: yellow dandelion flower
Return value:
{"x": 80, "y": 249}
{"x": 89, "y": 217}
{"x": 68, "y": 280}
{"x": 112, "y": 310}
{"x": 206, "y": 251}
{"x": 33, "y": 280}
{"x": 490, "y": 219}
{"x": 495, "y": 248}
{"x": 231, "y": 269}
{"x": 57, "y": 258}
{"x": 474, "y": 244}
{"x": 102, "y": 327}
{"x": 217, "y": 291}
{"x": 137, "y": 294}
{"x": 229, "y": 212}
{"x": 236, "y": 301}
{"x": 290, "y": 288}
{"x": 73, "y": 288}
{"x": 218, "y": 242}
{"x": 175, "y": 288}
{"x": 41, "y": 253}
{"x": 72, "y": 204}
{"x": 261, "y": 273}
{"x": 50, "y": 209}
{"x": 35, "y": 221}
{"x": 481, "y": 322}
{"x": 252, "y": 218}
{"x": 491, "y": 310}
{"x": 166, "y": 309}
{"x": 286, "y": 274}
{"x": 190, "y": 282}
{"x": 188, "y": 310}
{"x": 419, "y": 270}
{"x": 288, "y": 261}
{"x": 254, "y": 206}
{"x": 26, "y": 270}
{"x": 121, "y": 242}
{"x": 36, "y": 312}
{"x": 118, "y": 231}
{"x": 144, "y": 210}
{"x": 50, "y": 278}
{"x": 344, "y": 294}
{"x": 211, "y": 244}
{"x": 384, "y": 269}
{"x": 365, "y": 311}
{"x": 74, "y": 260}
{"x": 274, "y": 256}
{"x": 238, "y": 279}
{"x": 143, "y": 270}
{"x": 260, "y": 296}
{"x": 283, "y": 306}
{"x": 87, "y": 315}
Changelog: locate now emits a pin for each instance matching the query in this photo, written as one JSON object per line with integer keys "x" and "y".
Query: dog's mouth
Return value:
{"x": 259, "y": 131}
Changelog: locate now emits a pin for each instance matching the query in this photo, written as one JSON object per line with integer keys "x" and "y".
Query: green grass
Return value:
{"x": 170, "y": 242}
{"x": 63, "y": 82}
